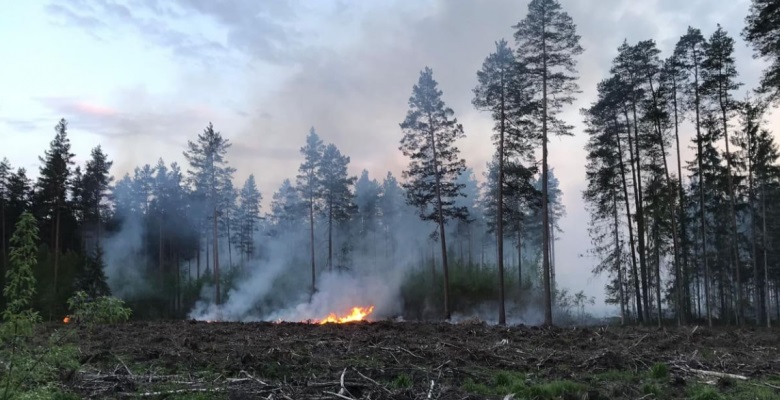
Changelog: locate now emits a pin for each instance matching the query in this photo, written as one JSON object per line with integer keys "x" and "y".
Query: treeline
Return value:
{"x": 700, "y": 240}
{"x": 165, "y": 236}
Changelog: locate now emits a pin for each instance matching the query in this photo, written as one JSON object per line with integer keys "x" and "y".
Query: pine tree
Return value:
{"x": 52, "y": 189}
{"x": 690, "y": 52}
{"x": 762, "y": 31}
{"x": 430, "y": 132}
{"x": 503, "y": 91}
{"x": 674, "y": 78}
{"x": 309, "y": 186}
{"x": 719, "y": 74}
{"x": 547, "y": 44}
{"x": 336, "y": 193}
{"x": 210, "y": 173}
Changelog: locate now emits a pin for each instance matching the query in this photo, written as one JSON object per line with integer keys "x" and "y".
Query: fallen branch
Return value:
{"x": 169, "y": 392}
{"x": 123, "y": 364}
{"x": 338, "y": 395}
{"x": 371, "y": 380}
{"x": 718, "y": 374}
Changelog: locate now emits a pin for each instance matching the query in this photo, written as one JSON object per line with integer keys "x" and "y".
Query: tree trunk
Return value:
{"x": 767, "y": 305}
{"x": 617, "y": 257}
{"x": 56, "y": 257}
{"x": 733, "y": 212}
{"x": 440, "y": 212}
{"x": 640, "y": 218}
{"x": 229, "y": 238}
{"x": 330, "y": 232}
{"x": 519, "y": 257}
{"x": 216, "y": 258}
{"x": 500, "y": 214}
{"x": 658, "y": 268}
{"x": 311, "y": 242}
{"x": 685, "y": 296}
{"x": 545, "y": 207}
{"x": 635, "y": 273}
{"x": 702, "y": 211}
{"x": 753, "y": 237}
{"x": 671, "y": 189}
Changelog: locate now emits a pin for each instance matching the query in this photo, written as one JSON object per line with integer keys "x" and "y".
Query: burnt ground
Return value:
{"x": 187, "y": 359}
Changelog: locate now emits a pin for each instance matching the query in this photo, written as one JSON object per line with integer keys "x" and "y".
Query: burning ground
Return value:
{"x": 422, "y": 360}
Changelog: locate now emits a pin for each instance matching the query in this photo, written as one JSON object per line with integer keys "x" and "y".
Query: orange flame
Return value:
{"x": 66, "y": 320}
{"x": 357, "y": 314}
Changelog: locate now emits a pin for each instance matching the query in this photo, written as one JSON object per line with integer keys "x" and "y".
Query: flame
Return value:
{"x": 66, "y": 320}
{"x": 357, "y": 314}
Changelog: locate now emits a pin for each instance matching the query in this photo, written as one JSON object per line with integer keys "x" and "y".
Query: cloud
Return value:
{"x": 256, "y": 28}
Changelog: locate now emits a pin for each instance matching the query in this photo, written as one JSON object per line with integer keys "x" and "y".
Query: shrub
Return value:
{"x": 102, "y": 310}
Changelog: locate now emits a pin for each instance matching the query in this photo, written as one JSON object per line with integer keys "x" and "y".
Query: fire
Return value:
{"x": 66, "y": 320}
{"x": 357, "y": 314}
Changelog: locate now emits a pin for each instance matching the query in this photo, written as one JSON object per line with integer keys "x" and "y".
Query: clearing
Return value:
{"x": 411, "y": 360}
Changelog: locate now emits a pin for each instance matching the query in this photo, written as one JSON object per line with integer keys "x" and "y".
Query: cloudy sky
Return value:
{"x": 141, "y": 77}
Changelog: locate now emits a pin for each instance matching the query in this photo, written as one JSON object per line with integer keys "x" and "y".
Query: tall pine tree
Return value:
{"x": 430, "y": 132}
{"x": 547, "y": 44}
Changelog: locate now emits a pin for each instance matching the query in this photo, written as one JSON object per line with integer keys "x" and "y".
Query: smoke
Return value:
{"x": 123, "y": 264}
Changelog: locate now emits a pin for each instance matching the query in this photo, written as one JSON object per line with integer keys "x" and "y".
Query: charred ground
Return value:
{"x": 422, "y": 360}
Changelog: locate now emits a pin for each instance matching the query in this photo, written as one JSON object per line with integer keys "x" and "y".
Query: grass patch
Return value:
{"x": 659, "y": 371}
{"x": 507, "y": 382}
{"x": 401, "y": 381}
{"x": 703, "y": 392}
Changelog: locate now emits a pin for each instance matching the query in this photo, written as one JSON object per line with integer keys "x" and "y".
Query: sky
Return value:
{"x": 142, "y": 77}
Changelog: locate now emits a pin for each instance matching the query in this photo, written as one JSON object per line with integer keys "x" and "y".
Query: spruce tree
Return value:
{"x": 5, "y": 172}
{"x": 249, "y": 217}
{"x": 96, "y": 184}
{"x": 19, "y": 289}
{"x": 430, "y": 132}
{"x": 93, "y": 278}
{"x": 52, "y": 190}
{"x": 547, "y": 44}
{"x": 287, "y": 209}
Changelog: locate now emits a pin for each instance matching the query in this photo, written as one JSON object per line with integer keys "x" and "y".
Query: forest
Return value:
{"x": 180, "y": 281}
{"x": 683, "y": 240}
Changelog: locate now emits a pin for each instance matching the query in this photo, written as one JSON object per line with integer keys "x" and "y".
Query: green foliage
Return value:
{"x": 101, "y": 310}
{"x": 29, "y": 369}
{"x": 93, "y": 278}
{"x": 20, "y": 281}
{"x": 506, "y": 382}
{"x": 702, "y": 392}
{"x": 659, "y": 371}
{"x": 402, "y": 381}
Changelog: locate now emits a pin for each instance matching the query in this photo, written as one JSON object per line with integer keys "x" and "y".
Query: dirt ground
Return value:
{"x": 184, "y": 359}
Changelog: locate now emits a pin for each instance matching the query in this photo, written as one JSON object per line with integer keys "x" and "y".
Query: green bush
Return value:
{"x": 102, "y": 310}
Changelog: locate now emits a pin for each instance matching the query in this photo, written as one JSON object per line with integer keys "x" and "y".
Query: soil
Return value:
{"x": 401, "y": 359}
